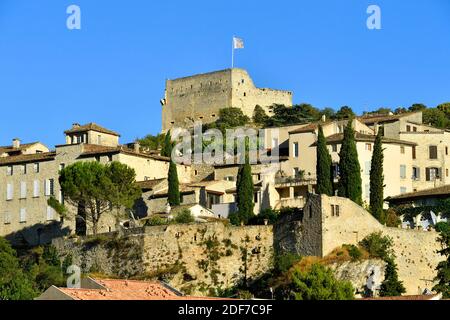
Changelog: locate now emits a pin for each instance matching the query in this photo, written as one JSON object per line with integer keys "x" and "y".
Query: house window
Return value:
{"x": 49, "y": 187}
{"x": 9, "y": 191}
{"x": 415, "y": 129}
{"x": 402, "y": 171}
{"x": 23, "y": 190}
{"x": 414, "y": 152}
{"x": 408, "y": 128}
{"x": 50, "y": 214}
{"x": 446, "y": 151}
{"x": 9, "y": 171}
{"x": 403, "y": 190}
{"x": 338, "y": 211}
{"x": 416, "y": 173}
{"x": 7, "y": 218}
{"x": 334, "y": 147}
{"x": 333, "y": 210}
{"x": 432, "y": 174}
{"x": 256, "y": 197}
{"x": 97, "y": 158}
{"x": 432, "y": 152}
{"x": 110, "y": 158}
{"x": 402, "y": 150}
{"x": 36, "y": 167}
{"x": 62, "y": 166}
{"x": 35, "y": 188}
{"x": 335, "y": 169}
{"x": 23, "y": 215}
{"x": 367, "y": 167}
{"x": 295, "y": 147}
{"x": 24, "y": 169}
{"x": 368, "y": 146}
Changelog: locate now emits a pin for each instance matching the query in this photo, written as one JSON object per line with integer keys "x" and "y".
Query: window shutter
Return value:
{"x": 23, "y": 189}
{"x": 418, "y": 173}
{"x": 23, "y": 215}
{"x": 9, "y": 191}
{"x": 50, "y": 215}
{"x": 428, "y": 174}
{"x": 36, "y": 188}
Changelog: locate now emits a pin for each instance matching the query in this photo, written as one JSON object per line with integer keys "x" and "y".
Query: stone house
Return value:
{"x": 31, "y": 174}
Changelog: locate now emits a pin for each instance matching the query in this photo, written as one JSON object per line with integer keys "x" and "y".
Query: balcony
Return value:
{"x": 298, "y": 202}
{"x": 295, "y": 181}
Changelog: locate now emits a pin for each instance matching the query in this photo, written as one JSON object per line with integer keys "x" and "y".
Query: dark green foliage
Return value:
{"x": 57, "y": 206}
{"x": 378, "y": 246}
{"x": 354, "y": 252}
{"x": 384, "y": 111}
{"x": 174, "y": 197}
{"x": 349, "y": 185}
{"x": 285, "y": 261}
{"x": 14, "y": 284}
{"x": 245, "y": 193}
{"x": 377, "y": 180}
{"x": 301, "y": 113}
{"x": 345, "y": 112}
{"x": 259, "y": 116}
{"x": 391, "y": 286}
{"x": 392, "y": 219}
{"x": 417, "y": 107}
{"x": 151, "y": 142}
{"x": 231, "y": 118}
{"x": 319, "y": 284}
{"x": 268, "y": 214}
{"x": 184, "y": 216}
{"x": 323, "y": 166}
{"x": 156, "y": 221}
{"x": 443, "y": 268}
{"x": 167, "y": 146}
{"x": 435, "y": 117}
{"x": 98, "y": 186}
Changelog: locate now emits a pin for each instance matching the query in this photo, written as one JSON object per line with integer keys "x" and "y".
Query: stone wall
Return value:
{"x": 194, "y": 258}
{"x": 415, "y": 250}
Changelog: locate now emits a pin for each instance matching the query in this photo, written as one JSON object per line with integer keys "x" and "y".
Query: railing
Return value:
{"x": 291, "y": 203}
{"x": 296, "y": 180}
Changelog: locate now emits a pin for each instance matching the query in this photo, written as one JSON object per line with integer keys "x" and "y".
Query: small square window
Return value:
{"x": 402, "y": 150}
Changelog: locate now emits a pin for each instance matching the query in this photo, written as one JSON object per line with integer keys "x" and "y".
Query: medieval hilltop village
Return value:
{"x": 207, "y": 255}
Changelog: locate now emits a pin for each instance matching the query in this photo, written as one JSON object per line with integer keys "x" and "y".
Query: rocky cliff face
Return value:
{"x": 362, "y": 274}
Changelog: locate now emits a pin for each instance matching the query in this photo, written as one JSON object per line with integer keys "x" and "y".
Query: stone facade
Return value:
{"x": 322, "y": 231}
{"x": 200, "y": 97}
{"x": 193, "y": 258}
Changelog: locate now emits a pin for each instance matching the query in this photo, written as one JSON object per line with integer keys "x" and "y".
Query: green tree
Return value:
{"x": 152, "y": 142}
{"x": 445, "y": 108}
{"x": 329, "y": 113}
{"x": 174, "y": 197}
{"x": 323, "y": 166}
{"x": 345, "y": 112}
{"x": 417, "y": 107}
{"x": 435, "y": 117}
{"x": 391, "y": 286}
{"x": 125, "y": 191}
{"x": 14, "y": 285}
{"x": 184, "y": 216}
{"x": 443, "y": 267}
{"x": 377, "y": 180}
{"x": 167, "y": 146}
{"x": 231, "y": 118}
{"x": 244, "y": 192}
{"x": 349, "y": 185}
{"x": 378, "y": 246}
{"x": 97, "y": 187}
{"x": 259, "y": 116}
{"x": 319, "y": 284}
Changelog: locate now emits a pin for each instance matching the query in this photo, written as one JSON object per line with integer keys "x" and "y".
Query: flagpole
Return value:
{"x": 232, "y": 53}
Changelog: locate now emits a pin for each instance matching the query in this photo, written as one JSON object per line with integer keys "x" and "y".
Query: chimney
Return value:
{"x": 137, "y": 147}
{"x": 16, "y": 143}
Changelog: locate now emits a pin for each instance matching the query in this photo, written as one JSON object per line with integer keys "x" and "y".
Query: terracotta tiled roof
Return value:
{"x": 371, "y": 119}
{"x": 93, "y": 149}
{"x": 23, "y": 146}
{"x": 436, "y": 192}
{"x": 413, "y": 297}
{"x": 149, "y": 184}
{"x": 24, "y": 158}
{"x": 91, "y": 126}
{"x": 367, "y": 138}
{"x": 128, "y": 290}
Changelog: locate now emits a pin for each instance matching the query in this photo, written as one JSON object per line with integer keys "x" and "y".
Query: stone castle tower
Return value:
{"x": 200, "y": 97}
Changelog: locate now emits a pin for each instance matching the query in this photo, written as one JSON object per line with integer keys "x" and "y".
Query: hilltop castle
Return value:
{"x": 200, "y": 97}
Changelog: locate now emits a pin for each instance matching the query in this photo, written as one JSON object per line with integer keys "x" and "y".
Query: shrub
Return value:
{"x": 392, "y": 219}
{"x": 184, "y": 216}
{"x": 267, "y": 214}
{"x": 378, "y": 246}
{"x": 353, "y": 251}
{"x": 155, "y": 221}
{"x": 285, "y": 261}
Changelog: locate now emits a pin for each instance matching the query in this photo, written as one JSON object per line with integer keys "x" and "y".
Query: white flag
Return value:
{"x": 238, "y": 43}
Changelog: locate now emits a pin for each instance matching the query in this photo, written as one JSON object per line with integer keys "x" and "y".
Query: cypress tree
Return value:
{"x": 244, "y": 192}
{"x": 377, "y": 180}
{"x": 391, "y": 286}
{"x": 323, "y": 166}
{"x": 166, "y": 149}
{"x": 174, "y": 189}
{"x": 349, "y": 185}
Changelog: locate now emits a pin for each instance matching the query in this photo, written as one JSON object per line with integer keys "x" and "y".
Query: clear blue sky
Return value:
{"x": 112, "y": 71}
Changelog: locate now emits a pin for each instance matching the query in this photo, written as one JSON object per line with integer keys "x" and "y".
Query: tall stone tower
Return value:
{"x": 200, "y": 97}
